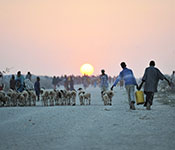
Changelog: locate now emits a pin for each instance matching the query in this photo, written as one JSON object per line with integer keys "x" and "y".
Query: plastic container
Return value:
{"x": 139, "y": 97}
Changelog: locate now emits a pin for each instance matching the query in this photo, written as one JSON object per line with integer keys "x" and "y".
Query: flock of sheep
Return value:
{"x": 51, "y": 97}
{"x": 13, "y": 98}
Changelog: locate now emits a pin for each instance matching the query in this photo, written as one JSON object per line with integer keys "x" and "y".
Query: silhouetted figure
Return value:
{"x": 1, "y": 81}
{"x": 151, "y": 78}
{"x": 12, "y": 82}
{"x": 29, "y": 76}
{"x": 173, "y": 81}
{"x": 130, "y": 83}
{"x": 54, "y": 82}
{"x": 37, "y": 88}
{"x": 71, "y": 83}
{"x": 19, "y": 82}
{"x": 85, "y": 81}
{"x": 66, "y": 86}
{"x": 103, "y": 81}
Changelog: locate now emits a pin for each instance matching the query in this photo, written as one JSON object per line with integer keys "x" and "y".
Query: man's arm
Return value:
{"x": 116, "y": 81}
{"x": 140, "y": 86}
{"x": 169, "y": 83}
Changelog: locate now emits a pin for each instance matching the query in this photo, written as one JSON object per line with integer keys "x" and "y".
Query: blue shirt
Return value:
{"x": 128, "y": 76}
{"x": 21, "y": 81}
{"x": 104, "y": 80}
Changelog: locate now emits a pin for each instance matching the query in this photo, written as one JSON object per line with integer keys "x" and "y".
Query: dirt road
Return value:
{"x": 94, "y": 127}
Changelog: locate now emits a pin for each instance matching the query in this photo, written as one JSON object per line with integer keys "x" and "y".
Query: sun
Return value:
{"x": 87, "y": 69}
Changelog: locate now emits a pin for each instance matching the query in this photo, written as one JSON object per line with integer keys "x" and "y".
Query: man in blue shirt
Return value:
{"x": 130, "y": 83}
{"x": 19, "y": 82}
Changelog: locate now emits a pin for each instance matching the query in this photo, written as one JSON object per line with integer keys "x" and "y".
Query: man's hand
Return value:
{"x": 112, "y": 88}
{"x": 137, "y": 86}
{"x": 140, "y": 86}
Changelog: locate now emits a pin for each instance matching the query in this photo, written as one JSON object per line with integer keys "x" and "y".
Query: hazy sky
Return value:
{"x": 55, "y": 37}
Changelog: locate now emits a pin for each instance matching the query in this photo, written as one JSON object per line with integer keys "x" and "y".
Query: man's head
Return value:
{"x": 1, "y": 74}
{"x": 152, "y": 63}
{"x": 102, "y": 71}
{"x": 38, "y": 78}
{"x": 123, "y": 65}
{"x": 19, "y": 73}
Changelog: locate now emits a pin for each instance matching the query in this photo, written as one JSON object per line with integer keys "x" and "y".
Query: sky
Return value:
{"x": 55, "y": 37}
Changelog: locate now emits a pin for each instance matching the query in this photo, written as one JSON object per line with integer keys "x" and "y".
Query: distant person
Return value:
{"x": 54, "y": 82}
{"x": 130, "y": 83}
{"x": 66, "y": 86}
{"x": 151, "y": 78}
{"x": 103, "y": 81}
{"x": 71, "y": 82}
{"x": 95, "y": 83}
{"x": 85, "y": 80}
{"x": 19, "y": 82}
{"x": 37, "y": 88}
{"x": 12, "y": 82}
{"x": 173, "y": 80}
{"x": 1, "y": 81}
{"x": 29, "y": 76}
{"x": 58, "y": 81}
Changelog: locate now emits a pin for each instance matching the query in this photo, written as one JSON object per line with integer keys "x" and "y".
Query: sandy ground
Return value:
{"x": 95, "y": 127}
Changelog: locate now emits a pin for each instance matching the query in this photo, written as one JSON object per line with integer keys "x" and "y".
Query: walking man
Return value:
{"x": 151, "y": 78}
{"x": 37, "y": 88}
{"x": 19, "y": 82}
{"x": 103, "y": 80}
{"x": 130, "y": 83}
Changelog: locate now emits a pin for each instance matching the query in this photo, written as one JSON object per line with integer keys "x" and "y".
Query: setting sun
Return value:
{"x": 87, "y": 69}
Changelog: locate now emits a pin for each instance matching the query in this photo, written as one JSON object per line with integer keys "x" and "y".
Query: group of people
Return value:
{"x": 18, "y": 83}
{"x": 151, "y": 77}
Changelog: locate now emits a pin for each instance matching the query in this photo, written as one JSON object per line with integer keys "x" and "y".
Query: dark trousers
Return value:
{"x": 149, "y": 98}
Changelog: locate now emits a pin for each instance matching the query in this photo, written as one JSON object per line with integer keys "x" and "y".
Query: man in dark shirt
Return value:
{"x": 151, "y": 78}
{"x": 37, "y": 87}
{"x": 12, "y": 82}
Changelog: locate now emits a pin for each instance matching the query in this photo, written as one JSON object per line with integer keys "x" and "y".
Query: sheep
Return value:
{"x": 81, "y": 96}
{"x": 52, "y": 95}
{"x": 63, "y": 97}
{"x": 87, "y": 98}
{"x": 31, "y": 98}
{"x": 2, "y": 98}
{"x": 45, "y": 97}
{"x": 21, "y": 100}
{"x": 13, "y": 97}
{"x": 107, "y": 97}
{"x": 58, "y": 98}
{"x": 73, "y": 98}
{"x": 68, "y": 98}
{"x": 26, "y": 95}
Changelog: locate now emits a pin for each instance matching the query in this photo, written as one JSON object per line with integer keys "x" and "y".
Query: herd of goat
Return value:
{"x": 50, "y": 97}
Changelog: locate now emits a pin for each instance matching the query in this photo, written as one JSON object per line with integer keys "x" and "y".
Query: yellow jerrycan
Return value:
{"x": 139, "y": 97}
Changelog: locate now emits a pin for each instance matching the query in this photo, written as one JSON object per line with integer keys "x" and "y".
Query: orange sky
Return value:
{"x": 55, "y": 37}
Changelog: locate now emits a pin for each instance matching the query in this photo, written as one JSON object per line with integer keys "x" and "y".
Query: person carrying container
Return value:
{"x": 130, "y": 83}
{"x": 151, "y": 78}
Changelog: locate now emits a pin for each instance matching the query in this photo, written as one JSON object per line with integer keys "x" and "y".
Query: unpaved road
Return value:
{"x": 94, "y": 127}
